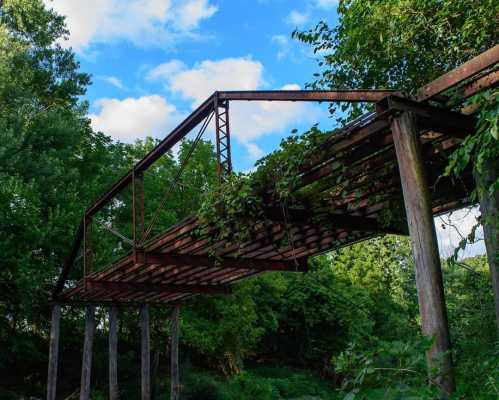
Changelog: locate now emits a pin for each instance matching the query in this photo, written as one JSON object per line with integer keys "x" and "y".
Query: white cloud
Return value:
{"x": 254, "y": 151}
{"x": 113, "y": 80}
{"x": 326, "y": 4}
{"x": 191, "y": 12}
{"x": 166, "y": 70}
{"x": 135, "y": 118}
{"x": 282, "y": 43}
{"x": 297, "y": 18}
{"x": 208, "y": 76}
{"x": 143, "y": 22}
{"x": 249, "y": 120}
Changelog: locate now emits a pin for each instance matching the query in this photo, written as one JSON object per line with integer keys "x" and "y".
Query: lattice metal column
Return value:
{"x": 222, "y": 131}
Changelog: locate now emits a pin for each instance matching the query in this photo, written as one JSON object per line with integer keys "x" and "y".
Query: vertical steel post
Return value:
{"x": 424, "y": 246}
{"x": 88, "y": 254}
{"x": 222, "y": 131}
{"x": 138, "y": 207}
{"x": 53, "y": 352}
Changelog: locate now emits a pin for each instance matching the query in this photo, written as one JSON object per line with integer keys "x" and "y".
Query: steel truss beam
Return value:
{"x": 141, "y": 257}
{"x": 114, "y": 286}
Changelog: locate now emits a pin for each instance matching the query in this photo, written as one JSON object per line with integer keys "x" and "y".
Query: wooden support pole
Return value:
{"x": 53, "y": 352}
{"x": 86, "y": 365}
{"x": 174, "y": 371}
{"x": 113, "y": 353}
{"x": 145, "y": 353}
{"x": 424, "y": 246}
{"x": 87, "y": 248}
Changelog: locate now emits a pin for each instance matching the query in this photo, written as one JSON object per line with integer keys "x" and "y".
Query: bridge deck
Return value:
{"x": 357, "y": 174}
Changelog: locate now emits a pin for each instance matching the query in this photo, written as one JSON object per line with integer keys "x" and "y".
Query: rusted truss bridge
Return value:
{"x": 395, "y": 156}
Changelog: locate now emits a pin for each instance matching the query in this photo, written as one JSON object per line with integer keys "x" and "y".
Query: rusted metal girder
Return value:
{"x": 364, "y": 96}
{"x": 459, "y": 74}
{"x": 141, "y": 257}
{"x": 157, "y": 287}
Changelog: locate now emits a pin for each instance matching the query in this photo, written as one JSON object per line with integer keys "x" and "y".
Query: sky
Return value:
{"x": 153, "y": 61}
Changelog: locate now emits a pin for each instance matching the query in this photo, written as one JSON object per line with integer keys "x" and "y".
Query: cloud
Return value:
{"x": 165, "y": 71}
{"x": 190, "y": 13}
{"x": 142, "y": 22}
{"x": 326, "y": 4}
{"x": 254, "y": 151}
{"x": 249, "y": 120}
{"x": 282, "y": 43}
{"x": 297, "y": 18}
{"x": 135, "y": 118}
{"x": 113, "y": 80}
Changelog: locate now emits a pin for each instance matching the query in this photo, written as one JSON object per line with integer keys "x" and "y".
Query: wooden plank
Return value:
{"x": 429, "y": 117}
{"x": 145, "y": 353}
{"x": 174, "y": 370}
{"x": 53, "y": 352}
{"x": 221, "y": 262}
{"x": 424, "y": 246}
{"x": 113, "y": 353}
{"x": 459, "y": 74}
{"x": 157, "y": 287}
{"x": 86, "y": 367}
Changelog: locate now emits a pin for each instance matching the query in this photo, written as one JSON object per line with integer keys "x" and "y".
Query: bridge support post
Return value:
{"x": 138, "y": 207}
{"x": 113, "y": 353}
{"x": 53, "y": 352}
{"x": 424, "y": 246}
{"x": 174, "y": 371}
{"x": 86, "y": 367}
{"x": 145, "y": 353}
{"x": 222, "y": 131}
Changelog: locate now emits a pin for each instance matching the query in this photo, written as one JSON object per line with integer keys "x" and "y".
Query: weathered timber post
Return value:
{"x": 424, "y": 246}
{"x": 53, "y": 352}
{"x": 145, "y": 353}
{"x": 489, "y": 208}
{"x": 88, "y": 254}
{"x": 86, "y": 367}
{"x": 113, "y": 353}
{"x": 174, "y": 371}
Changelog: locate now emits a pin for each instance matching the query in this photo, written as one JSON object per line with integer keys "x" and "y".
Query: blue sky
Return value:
{"x": 153, "y": 61}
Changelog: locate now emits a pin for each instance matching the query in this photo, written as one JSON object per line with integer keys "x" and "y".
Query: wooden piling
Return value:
{"x": 86, "y": 367}
{"x": 53, "y": 352}
{"x": 424, "y": 247}
{"x": 145, "y": 353}
{"x": 113, "y": 353}
{"x": 174, "y": 371}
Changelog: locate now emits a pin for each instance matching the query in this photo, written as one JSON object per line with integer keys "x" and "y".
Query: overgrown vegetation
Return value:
{"x": 348, "y": 329}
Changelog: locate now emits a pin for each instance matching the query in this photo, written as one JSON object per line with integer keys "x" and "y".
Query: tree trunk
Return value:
{"x": 86, "y": 367}
{"x": 489, "y": 208}
{"x": 424, "y": 247}
{"x": 53, "y": 352}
